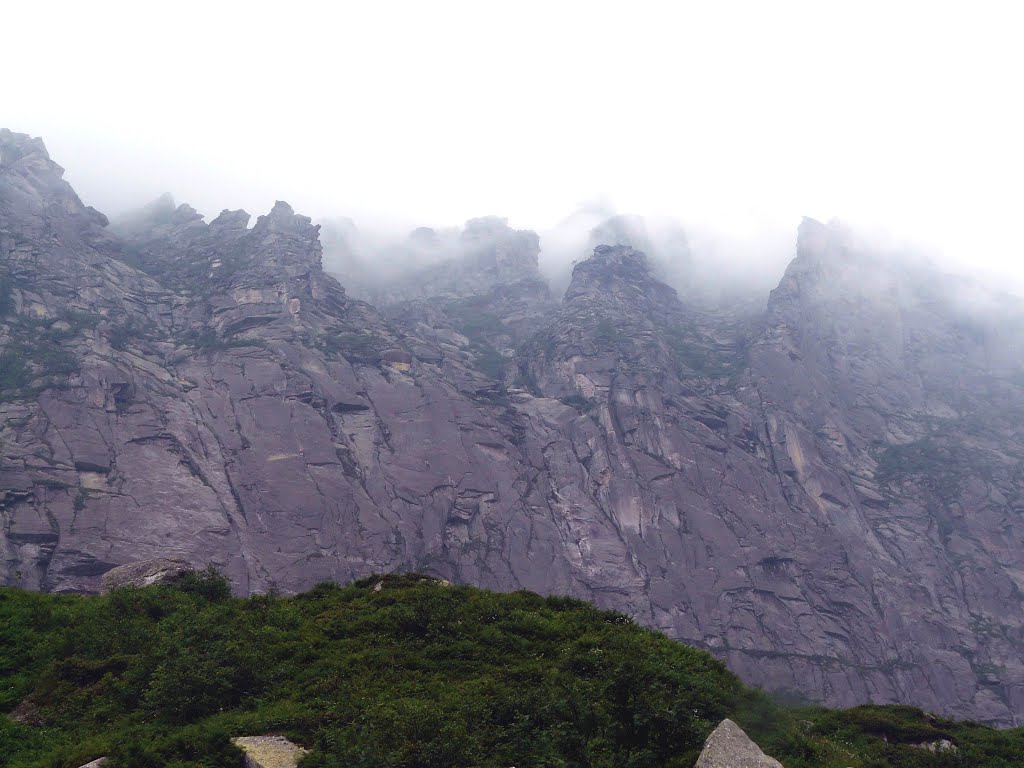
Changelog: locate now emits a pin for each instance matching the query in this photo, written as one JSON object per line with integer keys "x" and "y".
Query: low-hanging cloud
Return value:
{"x": 733, "y": 122}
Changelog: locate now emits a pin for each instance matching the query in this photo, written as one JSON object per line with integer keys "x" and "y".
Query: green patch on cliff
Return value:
{"x": 488, "y": 360}
{"x": 579, "y": 402}
{"x": 6, "y": 293}
{"x": 126, "y": 331}
{"x": 38, "y": 357}
{"x": 695, "y": 355}
{"x": 606, "y": 333}
{"x": 941, "y": 466}
{"x": 28, "y": 367}
{"x": 354, "y": 347}
{"x": 402, "y": 671}
{"x": 14, "y": 374}
{"x": 471, "y": 317}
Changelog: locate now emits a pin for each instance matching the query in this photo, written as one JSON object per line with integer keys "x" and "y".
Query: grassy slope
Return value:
{"x": 415, "y": 674}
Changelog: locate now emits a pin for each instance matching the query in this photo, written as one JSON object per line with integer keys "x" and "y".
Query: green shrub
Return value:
{"x": 606, "y": 333}
{"x": 489, "y": 361}
{"x": 354, "y": 347}
{"x": 14, "y": 374}
{"x": 579, "y": 402}
{"x": 6, "y": 294}
{"x": 209, "y": 584}
{"x": 413, "y": 673}
{"x": 471, "y": 318}
{"x": 54, "y": 360}
{"x": 33, "y": 358}
{"x": 204, "y": 340}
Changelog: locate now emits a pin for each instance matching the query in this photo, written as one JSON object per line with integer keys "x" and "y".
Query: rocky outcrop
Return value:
{"x": 939, "y": 745}
{"x": 145, "y": 574}
{"x": 246, "y": 415}
{"x": 768, "y": 470}
{"x": 890, "y": 399}
{"x": 826, "y": 494}
{"x": 269, "y": 751}
{"x": 728, "y": 746}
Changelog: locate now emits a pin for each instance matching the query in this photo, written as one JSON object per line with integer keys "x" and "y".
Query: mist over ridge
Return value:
{"x": 708, "y": 266}
{"x": 737, "y": 122}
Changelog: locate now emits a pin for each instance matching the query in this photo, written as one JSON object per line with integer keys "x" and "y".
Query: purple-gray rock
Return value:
{"x": 826, "y": 494}
{"x": 144, "y": 574}
{"x": 728, "y": 746}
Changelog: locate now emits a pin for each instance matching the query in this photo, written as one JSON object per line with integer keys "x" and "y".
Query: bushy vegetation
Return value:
{"x": 940, "y": 464}
{"x": 14, "y": 373}
{"x": 472, "y": 317}
{"x": 355, "y": 347}
{"x": 489, "y": 361}
{"x": 37, "y": 357}
{"x": 128, "y": 330}
{"x": 695, "y": 355}
{"x": 579, "y": 402}
{"x": 894, "y": 735}
{"x": 205, "y": 340}
{"x": 402, "y": 671}
{"x": 6, "y": 294}
{"x": 607, "y": 333}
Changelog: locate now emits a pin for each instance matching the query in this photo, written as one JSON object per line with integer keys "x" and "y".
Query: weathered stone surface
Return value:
{"x": 728, "y": 746}
{"x": 95, "y": 763}
{"x": 145, "y": 573}
{"x": 939, "y": 745}
{"x": 826, "y": 493}
{"x": 269, "y": 751}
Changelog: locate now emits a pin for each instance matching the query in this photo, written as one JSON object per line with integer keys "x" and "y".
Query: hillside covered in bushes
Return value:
{"x": 404, "y": 672}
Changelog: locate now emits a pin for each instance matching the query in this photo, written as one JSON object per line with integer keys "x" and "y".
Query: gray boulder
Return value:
{"x": 145, "y": 573}
{"x": 728, "y": 746}
{"x": 269, "y": 751}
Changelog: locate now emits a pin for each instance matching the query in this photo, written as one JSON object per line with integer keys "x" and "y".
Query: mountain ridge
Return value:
{"x": 824, "y": 495}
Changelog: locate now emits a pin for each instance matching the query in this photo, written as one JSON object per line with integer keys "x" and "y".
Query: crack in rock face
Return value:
{"x": 822, "y": 488}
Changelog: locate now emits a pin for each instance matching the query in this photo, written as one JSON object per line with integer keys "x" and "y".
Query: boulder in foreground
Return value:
{"x": 728, "y": 746}
{"x": 269, "y": 751}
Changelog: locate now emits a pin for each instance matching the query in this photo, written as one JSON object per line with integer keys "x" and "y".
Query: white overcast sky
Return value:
{"x": 900, "y": 114}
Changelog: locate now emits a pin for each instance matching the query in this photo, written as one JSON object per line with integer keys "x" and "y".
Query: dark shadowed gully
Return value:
{"x": 826, "y": 493}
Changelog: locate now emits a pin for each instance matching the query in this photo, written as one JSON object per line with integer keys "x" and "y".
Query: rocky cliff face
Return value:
{"x": 827, "y": 494}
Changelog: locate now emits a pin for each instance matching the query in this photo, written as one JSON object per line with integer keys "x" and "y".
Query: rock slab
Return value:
{"x": 269, "y": 751}
{"x": 728, "y": 746}
{"x": 145, "y": 573}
